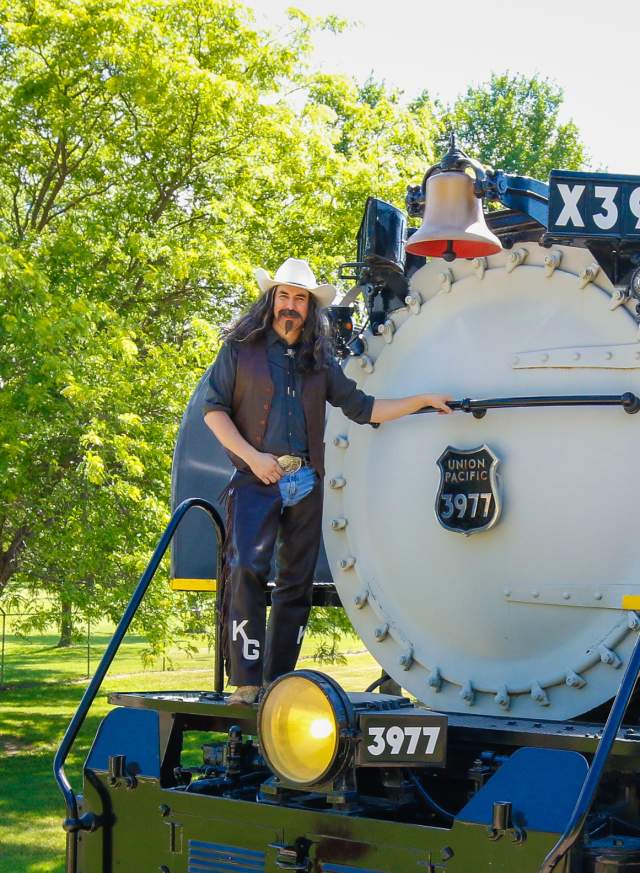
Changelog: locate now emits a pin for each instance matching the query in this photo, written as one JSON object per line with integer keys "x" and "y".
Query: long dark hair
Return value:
{"x": 315, "y": 348}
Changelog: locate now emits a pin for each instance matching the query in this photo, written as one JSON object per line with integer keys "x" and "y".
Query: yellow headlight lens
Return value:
{"x": 298, "y": 730}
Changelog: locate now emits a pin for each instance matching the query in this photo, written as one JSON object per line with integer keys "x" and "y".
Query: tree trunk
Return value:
{"x": 66, "y": 625}
{"x": 9, "y": 557}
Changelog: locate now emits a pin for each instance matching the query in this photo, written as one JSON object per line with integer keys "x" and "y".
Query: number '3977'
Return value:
{"x": 409, "y": 740}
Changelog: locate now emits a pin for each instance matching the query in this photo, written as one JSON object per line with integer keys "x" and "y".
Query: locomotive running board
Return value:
{"x": 494, "y": 731}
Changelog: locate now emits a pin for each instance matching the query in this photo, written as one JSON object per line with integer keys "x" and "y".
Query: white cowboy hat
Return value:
{"x": 297, "y": 274}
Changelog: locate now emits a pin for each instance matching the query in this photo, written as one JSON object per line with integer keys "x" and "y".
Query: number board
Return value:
{"x": 468, "y": 499}
{"x": 594, "y": 205}
{"x": 399, "y": 739}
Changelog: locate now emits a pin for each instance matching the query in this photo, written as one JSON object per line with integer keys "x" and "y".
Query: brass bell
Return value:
{"x": 453, "y": 224}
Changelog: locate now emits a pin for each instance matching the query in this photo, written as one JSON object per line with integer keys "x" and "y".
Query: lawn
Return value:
{"x": 44, "y": 686}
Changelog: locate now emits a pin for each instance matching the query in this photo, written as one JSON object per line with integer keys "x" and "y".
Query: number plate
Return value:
{"x": 594, "y": 205}
{"x": 394, "y": 739}
{"x": 468, "y": 500}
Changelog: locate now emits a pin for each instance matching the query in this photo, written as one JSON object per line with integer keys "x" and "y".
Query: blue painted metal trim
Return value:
{"x": 214, "y": 865}
{"x": 218, "y": 867}
{"x": 134, "y": 733}
{"x": 528, "y": 779}
{"x": 218, "y": 858}
{"x": 340, "y": 868}
{"x": 527, "y": 195}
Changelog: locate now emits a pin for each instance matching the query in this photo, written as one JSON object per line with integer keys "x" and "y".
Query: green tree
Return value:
{"x": 132, "y": 139}
{"x": 512, "y": 123}
{"x": 150, "y": 157}
{"x": 152, "y": 154}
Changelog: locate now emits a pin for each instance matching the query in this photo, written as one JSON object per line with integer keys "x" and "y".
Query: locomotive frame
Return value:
{"x": 527, "y": 795}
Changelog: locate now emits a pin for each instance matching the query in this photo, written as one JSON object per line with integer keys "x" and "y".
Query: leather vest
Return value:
{"x": 252, "y": 396}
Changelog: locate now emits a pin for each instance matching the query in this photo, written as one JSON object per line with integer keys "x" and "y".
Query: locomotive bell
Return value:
{"x": 453, "y": 224}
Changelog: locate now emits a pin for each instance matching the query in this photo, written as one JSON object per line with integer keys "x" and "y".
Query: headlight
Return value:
{"x": 304, "y": 726}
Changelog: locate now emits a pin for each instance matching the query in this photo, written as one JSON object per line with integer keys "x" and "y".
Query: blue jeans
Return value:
{"x": 294, "y": 487}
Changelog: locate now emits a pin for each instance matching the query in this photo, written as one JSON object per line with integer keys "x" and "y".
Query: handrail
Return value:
{"x": 478, "y": 408}
{"x": 594, "y": 774}
{"x": 89, "y": 821}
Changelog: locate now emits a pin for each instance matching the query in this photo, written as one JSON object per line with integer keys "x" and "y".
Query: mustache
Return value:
{"x": 288, "y": 313}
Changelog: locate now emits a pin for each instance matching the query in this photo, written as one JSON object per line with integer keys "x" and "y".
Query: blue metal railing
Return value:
{"x": 90, "y": 821}
{"x": 593, "y": 777}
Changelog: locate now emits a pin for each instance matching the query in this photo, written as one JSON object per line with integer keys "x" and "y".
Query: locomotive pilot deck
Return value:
{"x": 134, "y": 771}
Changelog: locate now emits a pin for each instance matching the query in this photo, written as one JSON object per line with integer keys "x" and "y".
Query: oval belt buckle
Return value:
{"x": 289, "y": 463}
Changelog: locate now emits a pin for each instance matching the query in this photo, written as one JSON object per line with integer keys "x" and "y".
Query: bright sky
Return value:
{"x": 590, "y": 49}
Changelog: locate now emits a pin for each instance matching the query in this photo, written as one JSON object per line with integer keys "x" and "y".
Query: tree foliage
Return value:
{"x": 152, "y": 154}
{"x": 149, "y": 159}
{"x": 512, "y": 123}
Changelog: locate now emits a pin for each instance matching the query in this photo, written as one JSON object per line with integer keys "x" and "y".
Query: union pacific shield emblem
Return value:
{"x": 468, "y": 499}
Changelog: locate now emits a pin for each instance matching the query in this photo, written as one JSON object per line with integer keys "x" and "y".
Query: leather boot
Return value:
{"x": 245, "y": 694}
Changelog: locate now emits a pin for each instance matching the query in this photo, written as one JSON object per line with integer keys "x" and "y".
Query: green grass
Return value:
{"x": 43, "y": 687}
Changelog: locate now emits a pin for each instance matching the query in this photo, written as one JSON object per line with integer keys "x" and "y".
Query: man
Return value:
{"x": 266, "y": 404}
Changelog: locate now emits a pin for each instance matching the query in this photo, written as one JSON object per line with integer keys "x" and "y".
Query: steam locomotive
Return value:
{"x": 487, "y": 559}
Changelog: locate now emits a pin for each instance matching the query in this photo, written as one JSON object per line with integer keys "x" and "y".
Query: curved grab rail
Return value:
{"x": 478, "y": 408}
{"x": 89, "y": 821}
{"x": 594, "y": 775}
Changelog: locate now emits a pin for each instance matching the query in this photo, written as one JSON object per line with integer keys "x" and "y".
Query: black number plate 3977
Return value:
{"x": 395, "y": 739}
{"x": 468, "y": 500}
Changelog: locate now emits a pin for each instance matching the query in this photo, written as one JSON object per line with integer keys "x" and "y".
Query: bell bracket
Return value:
{"x": 456, "y": 160}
